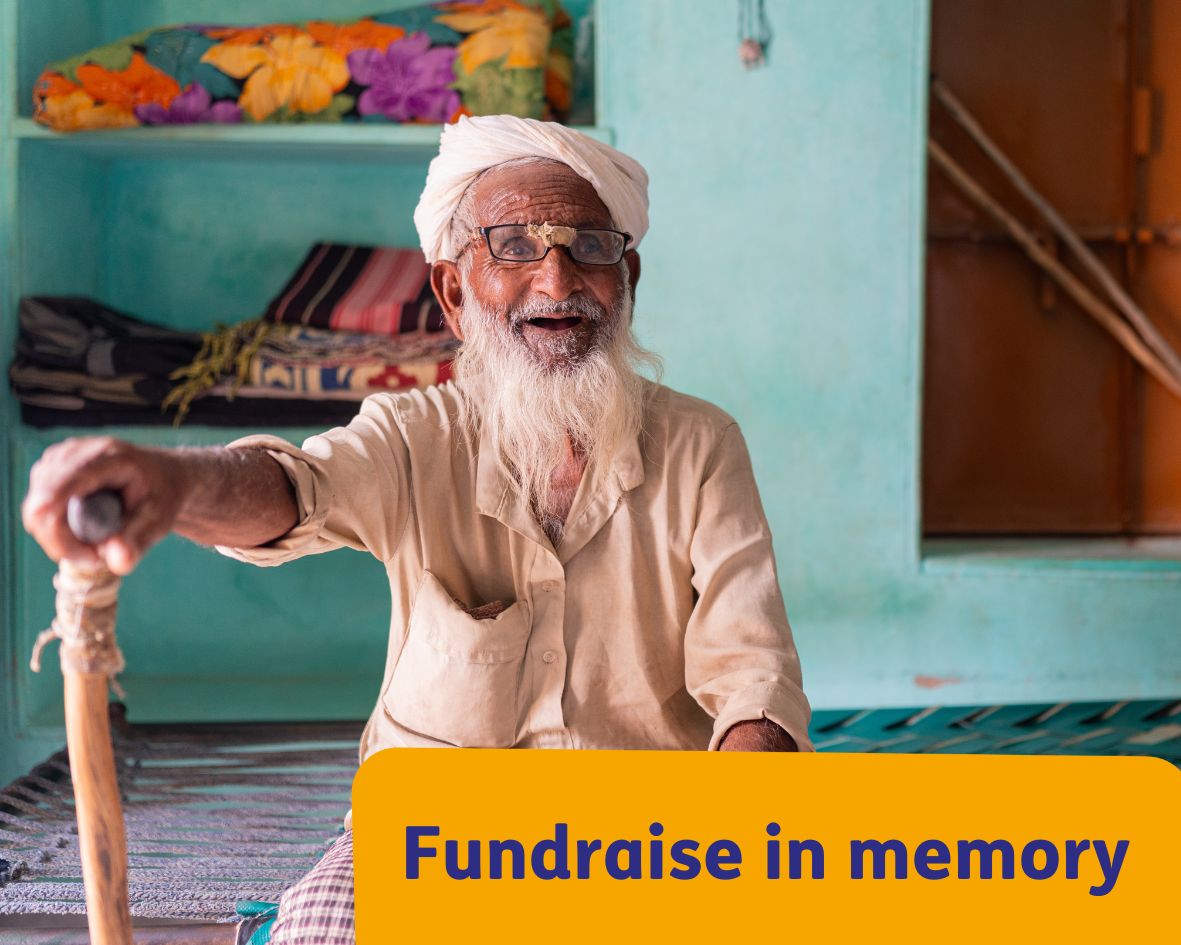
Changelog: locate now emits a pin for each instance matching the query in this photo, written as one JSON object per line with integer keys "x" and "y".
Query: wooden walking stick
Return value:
{"x": 90, "y": 658}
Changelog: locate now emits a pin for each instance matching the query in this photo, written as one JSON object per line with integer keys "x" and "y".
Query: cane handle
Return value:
{"x": 96, "y": 517}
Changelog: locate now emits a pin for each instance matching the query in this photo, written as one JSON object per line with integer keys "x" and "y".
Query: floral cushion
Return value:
{"x": 430, "y": 63}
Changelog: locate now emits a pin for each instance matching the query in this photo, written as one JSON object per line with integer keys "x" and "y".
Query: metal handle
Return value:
{"x": 96, "y": 517}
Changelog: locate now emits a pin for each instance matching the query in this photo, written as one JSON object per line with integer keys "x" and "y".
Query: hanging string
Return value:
{"x": 754, "y": 33}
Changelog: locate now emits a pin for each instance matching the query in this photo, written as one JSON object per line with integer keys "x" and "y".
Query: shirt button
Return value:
{"x": 549, "y": 586}
{"x": 549, "y": 656}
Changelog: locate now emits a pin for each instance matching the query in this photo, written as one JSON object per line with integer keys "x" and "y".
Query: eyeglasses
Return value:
{"x": 529, "y": 242}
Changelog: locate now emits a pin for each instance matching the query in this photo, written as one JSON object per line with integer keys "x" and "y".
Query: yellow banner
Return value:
{"x": 618, "y": 847}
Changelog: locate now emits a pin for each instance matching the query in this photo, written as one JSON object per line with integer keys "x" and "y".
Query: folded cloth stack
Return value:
{"x": 77, "y": 361}
{"x": 350, "y": 321}
{"x": 83, "y": 364}
{"x": 300, "y": 371}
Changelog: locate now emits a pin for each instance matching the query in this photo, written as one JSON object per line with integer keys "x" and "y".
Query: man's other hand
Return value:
{"x": 757, "y": 735}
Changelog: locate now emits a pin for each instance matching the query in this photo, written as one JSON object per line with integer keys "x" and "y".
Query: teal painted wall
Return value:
{"x": 782, "y": 279}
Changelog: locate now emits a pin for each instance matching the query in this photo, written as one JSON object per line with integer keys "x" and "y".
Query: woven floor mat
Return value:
{"x": 221, "y": 813}
{"x": 214, "y": 813}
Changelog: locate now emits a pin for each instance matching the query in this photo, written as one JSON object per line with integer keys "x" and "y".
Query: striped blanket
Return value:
{"x": 376, "y": 290}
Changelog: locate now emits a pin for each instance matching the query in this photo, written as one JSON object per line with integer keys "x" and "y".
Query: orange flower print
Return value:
{"x": 77, "y": 111}
{"x": 251, "y": 35}
{"x": 487, "y": 6}
{"x": 364, "y": 34}
{"x": 289, "y": 71}
{"x": 520, "y": 35}
{"x": 139, "y": 84}
{"x": 53, "y": 84}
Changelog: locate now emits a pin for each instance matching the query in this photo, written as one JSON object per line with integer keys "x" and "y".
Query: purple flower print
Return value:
{"x": 193, "y": 106}
{"x": 409, "y": 80}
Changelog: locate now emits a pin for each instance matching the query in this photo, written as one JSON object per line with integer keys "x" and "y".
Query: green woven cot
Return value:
{"x": 221, "y": 814}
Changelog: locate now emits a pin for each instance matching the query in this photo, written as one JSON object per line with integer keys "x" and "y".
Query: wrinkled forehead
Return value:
{"x": 538, "y": 192}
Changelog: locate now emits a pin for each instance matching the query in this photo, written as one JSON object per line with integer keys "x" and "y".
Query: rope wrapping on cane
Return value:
{"x": 85, "y": 622}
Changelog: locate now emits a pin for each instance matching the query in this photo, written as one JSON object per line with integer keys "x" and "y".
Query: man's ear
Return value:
{"x": 448, "y": 289}
{"x": 632, "y": 258}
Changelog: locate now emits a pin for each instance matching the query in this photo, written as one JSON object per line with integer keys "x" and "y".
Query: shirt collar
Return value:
{"x": 496, "y": 498}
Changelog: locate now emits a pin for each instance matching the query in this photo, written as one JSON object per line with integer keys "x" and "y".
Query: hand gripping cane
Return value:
{"x": 90, "y": 658}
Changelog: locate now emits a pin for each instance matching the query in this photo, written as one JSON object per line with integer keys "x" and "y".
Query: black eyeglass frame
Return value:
{"x": 486, "y": 231}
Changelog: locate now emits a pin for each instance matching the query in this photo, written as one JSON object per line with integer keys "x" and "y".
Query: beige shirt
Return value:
{"x": 657, "y": 622}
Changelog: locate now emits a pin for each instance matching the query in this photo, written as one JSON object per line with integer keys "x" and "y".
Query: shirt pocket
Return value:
{"x": 458, "y": 679}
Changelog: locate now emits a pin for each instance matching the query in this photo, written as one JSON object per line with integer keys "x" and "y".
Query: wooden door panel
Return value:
{"x": 1021, "y": 421}
{"x": 1046, "y": 80}
{"x": 1025, "y": 399}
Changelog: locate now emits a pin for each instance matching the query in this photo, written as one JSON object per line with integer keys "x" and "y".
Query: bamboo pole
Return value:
{"x": 1089, "y": 261}
{"x": 1107, "y": 317}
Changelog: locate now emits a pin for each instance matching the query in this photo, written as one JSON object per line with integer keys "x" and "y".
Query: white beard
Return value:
{"x": 534, "y": 413}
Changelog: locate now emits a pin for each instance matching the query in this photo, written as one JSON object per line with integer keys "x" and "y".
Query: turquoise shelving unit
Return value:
{"x": 328, "y": 142}
{"x": 187, "y": 226}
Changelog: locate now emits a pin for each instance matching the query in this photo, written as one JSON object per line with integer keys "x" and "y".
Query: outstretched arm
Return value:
{"x": 214, "y": 495}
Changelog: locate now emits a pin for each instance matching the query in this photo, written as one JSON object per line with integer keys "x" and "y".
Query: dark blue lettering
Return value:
{"x": 878, "y": 850}
{"x": 496, "y": 851}
{"x": 688, "y": 866}
{"x": 987, "y": 853}
{"x": 557, "y": 846}
{"x": 1110, "y": 863}
{"x": 1028, "y": 855}
{"x": 1074, "y": 853}
{"x": 932, "y": 853}
{"x": 415, "y": 852}
{"x": 615, "y": 850}
{"x": 656, "y": 851}
{"x": 795, "y": 852}
{"x": 586, "y": 848}
{"x": 772, "y": 859}
{"x": 718, "y": 859}
{"x": 451, "y": 860}
{"x": 773, "y": 851}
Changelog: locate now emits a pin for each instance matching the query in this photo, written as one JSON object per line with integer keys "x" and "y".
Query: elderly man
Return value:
{"x": 577, "y": 556}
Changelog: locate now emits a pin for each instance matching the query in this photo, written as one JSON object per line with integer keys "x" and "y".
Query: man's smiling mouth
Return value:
{"x": 556, "y": 324}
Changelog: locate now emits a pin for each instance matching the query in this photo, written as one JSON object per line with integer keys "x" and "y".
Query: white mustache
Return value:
{"x": 574, "y": 305}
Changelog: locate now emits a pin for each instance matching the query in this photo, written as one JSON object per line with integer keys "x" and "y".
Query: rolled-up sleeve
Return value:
{"x": 740, "y": 659}
{"x": 350, "y": 484}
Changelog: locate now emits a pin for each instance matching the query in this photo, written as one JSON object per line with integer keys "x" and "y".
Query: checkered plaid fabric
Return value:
{"x": 318, "y": 909}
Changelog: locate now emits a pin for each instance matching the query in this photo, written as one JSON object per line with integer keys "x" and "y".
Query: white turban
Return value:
{"x": 473, "y": 145}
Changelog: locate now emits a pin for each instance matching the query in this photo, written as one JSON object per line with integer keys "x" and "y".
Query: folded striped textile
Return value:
{"x": 376, "y": 289}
